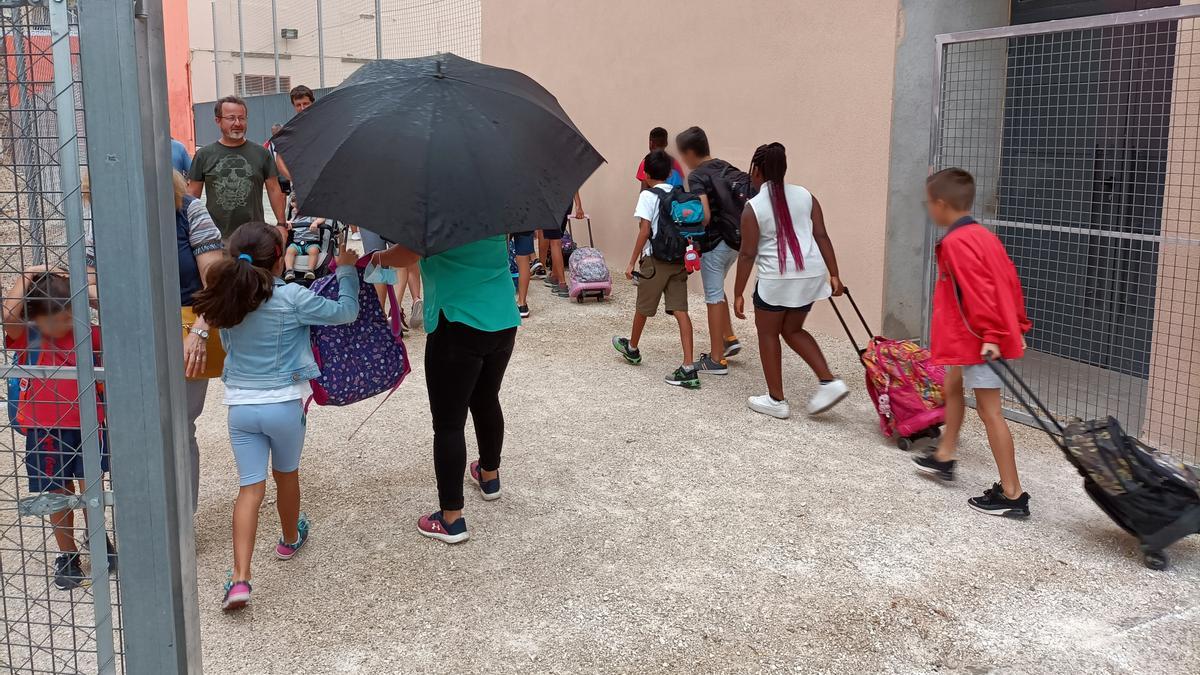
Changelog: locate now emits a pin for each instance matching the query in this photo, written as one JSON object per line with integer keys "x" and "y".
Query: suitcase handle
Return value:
{"x": 1024, "y": 395}
{"x": 588, "y": 220}
{"x": 849, "y": 333}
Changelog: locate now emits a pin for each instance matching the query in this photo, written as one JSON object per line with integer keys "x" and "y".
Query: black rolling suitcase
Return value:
{"x": 1150, "y": 494}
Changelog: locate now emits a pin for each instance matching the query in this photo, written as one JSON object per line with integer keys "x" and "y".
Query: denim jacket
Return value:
{"x": 270, "y": 348}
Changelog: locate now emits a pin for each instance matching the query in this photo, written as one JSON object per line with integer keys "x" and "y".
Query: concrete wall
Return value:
{"x": 907, "y": 227}
{"x": 816, "y": 76}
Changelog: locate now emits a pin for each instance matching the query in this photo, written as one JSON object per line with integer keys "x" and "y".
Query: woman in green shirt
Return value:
{"x": 472, "y": 321}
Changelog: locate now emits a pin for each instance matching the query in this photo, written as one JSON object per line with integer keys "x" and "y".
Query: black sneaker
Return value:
{"x": 289, "y": 276}
{"x": 684, "y": 376}
{"x": 631, "y": 355}
{"x": 928, "y": 464}
{"x": 68, "y": 573}
{"x": 733, "y": 347}
{"x": 112, "y": 553}
{"x": 994, "y": 503}
{"x": 523, "y": 310}
{"x": 537, "y": 269}
{"x": 707, "y": 365}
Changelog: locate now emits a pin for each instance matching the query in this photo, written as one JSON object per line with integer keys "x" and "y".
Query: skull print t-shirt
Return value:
{"x": 233, "y": 182}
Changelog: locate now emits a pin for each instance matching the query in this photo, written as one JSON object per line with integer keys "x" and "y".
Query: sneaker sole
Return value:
{"x": 937, "y": 473}
{"x": 1004, "y": 513}
{"x": 769, "y": 412}
{"x": 446, "y": 538}
{"x": 831, "y": 405}
{"x": 729, "y": 353}
{"x": 236, "y": 602}
{"x": 714, "y": 372}
{"x": 690, "y": 384}
{"x": 280, "y": 556}
{"x": 487, "y": 496}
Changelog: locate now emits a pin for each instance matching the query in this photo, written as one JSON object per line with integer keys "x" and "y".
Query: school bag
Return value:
{"x": 741, "y": 190}
{"x": 360, "y": 359}
{"x": 568, "y": 248}
{"x": 680, "y": 217}
{"x": 902, "y": 381}
{"x": 16, "y": 385}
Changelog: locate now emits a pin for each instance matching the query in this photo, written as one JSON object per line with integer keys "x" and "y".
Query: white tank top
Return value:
{"x": 799, "y": 201}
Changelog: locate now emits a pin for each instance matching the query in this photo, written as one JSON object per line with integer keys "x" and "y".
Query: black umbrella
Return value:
{"x": 437, "y": 152}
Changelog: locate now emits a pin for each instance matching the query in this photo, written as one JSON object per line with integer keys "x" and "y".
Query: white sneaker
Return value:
{"x": 827, "y": 396}
{"x": 768, "y": 406}
{"x": 416, "y": 317}
{"x": 355, "y": 236}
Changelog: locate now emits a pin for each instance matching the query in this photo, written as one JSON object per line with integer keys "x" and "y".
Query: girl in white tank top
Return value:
{"x": 784, "y": 238}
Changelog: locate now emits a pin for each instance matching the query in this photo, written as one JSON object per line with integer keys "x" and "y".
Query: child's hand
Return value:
{"x": 739, "y": 307}
{"x": 990, "y": 351}
{"x": 836, "y": 284}
{"x": 347, "y": 257}
{"x": 312, "y": 228}
{"x": 629, "y": 271}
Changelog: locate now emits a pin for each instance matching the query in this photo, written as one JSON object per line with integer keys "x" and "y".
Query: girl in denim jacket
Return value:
{"x": 264, "y": 326}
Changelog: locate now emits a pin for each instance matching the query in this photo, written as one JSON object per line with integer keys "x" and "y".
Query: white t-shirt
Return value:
{"x": 292, "y": 392}
{"x": 647, "y": 207}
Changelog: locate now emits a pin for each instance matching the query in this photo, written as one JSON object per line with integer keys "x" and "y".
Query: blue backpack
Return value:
{"x": 680, "y": 219}
{"x": 27, "y": 356}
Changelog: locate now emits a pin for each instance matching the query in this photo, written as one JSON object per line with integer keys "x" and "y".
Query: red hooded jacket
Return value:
{"x": 977, "y": 298}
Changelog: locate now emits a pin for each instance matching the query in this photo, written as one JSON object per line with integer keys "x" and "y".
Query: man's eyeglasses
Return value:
{"x": 234, "y": 118}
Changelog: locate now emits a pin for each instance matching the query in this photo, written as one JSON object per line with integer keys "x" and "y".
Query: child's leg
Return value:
{"x": 803, "y": 343}
{"x": 313, "y": 253}
{"x": 769, "y": 325}
{"x": 989, "y": 407}
{"x": 556, "y": 254}
{"x": 952, "y": 394}
{"x": 524, "y": 270}
{"x": 414, "y": 281}
{"x": 639, "y": 325}
{"x": 63, "y": 524}
{"x": 251, "y": 450}
{"x": 284, "y": 424}
{"x": 685, "y": 337}
{"x": 289, "y": 258}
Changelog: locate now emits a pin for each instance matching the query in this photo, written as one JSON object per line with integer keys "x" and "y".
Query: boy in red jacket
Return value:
{"x": 978, "y": 315}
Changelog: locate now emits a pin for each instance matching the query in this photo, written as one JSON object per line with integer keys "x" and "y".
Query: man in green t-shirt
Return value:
{"x": 234, "y": 172}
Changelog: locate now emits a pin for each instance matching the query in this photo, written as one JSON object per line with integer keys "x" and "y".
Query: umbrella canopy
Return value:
{"x": 437, "y": 152}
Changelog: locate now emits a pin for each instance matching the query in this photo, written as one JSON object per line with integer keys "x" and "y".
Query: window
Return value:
{"x": 257, "y": 85}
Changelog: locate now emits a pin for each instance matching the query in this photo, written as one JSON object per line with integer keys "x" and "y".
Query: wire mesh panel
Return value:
{"x": 318, "y": 43}
{"x": 1082, "y": 136}
{"x": 58, "y": 584}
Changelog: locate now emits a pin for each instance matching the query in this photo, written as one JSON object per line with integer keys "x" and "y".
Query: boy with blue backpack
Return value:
{"x": 663, "y": 212}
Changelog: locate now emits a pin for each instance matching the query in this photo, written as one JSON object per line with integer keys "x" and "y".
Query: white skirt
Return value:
{"x": 794, "y": 293}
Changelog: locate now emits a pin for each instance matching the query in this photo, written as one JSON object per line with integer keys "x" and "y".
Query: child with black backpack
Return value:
{"x": 662, "y": 274}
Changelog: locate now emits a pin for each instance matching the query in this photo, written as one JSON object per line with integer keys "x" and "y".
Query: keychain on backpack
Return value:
{"x": 691, "y": 258}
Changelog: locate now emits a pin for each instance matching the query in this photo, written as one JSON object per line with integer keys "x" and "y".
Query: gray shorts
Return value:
{"x": 980, "y": 376}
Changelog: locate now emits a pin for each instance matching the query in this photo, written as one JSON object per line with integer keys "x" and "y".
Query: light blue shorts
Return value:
{"x": 714, "y": 268}
{"x": 980, "y": 376}
{"x": 263, "y": 431}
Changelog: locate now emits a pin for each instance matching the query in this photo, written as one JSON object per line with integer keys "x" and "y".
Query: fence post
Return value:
{"x": 378, "y": 30}
{"x": 123, "y": 61}
{"x": 241, "y": 91}
{"x": 216, "y": 50}
{"x": 274, "y": 40}
{"x": 321, "y": 41}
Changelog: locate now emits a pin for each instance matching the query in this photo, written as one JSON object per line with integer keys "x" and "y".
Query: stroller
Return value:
{"x": 1149, "y": 494}
{"x": 331, "y": 233}
{"x": 904, "y": 386}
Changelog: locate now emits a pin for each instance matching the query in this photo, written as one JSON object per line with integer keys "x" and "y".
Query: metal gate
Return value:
{"x": 104, "y": 386}
{"x": 1082, "y": 135}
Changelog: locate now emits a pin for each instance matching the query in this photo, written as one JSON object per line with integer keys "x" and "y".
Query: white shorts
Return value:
{"x": 980, "y": 376}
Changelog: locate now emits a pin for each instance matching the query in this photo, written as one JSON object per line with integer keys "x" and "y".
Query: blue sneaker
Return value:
{"x": 488, "y": 489}
{"x": 434, "y": 526}
{"x": 286, "y": 551}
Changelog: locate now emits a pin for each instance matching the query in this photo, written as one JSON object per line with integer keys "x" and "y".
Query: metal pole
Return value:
{"x": 321, "y": 42}
{"x": 127, "y": 142}
{"x": 216, "y": 65}
{"x": 275, "y": 40}
{"x": 72, "y": 207}
{"x": 378, "y": 30}
{"x": 241, "y": 50}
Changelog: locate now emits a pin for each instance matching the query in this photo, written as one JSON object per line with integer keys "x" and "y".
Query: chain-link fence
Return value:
{"x": 1082, "y": 136}
{"x": 254, "y": 47}
{"x": 60, "y": 591}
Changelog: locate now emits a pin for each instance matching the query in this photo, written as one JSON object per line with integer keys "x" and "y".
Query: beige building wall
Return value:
{"x": 816, "y": 76}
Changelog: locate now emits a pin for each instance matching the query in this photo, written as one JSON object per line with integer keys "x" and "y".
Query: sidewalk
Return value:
{"x": 645, "y": 528}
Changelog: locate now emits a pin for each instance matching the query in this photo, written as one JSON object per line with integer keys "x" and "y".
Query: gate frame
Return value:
{"x": 942, "y": 40}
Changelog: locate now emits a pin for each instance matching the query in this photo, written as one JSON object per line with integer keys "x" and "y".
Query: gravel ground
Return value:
{"x": 645, "y": 528}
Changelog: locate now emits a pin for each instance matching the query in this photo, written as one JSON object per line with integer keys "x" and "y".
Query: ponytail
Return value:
{"x": 242, "y": 280}
{"x": 771, "y": 160}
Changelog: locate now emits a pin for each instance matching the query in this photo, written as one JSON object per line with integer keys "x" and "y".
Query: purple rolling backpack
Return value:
{"x": 360, "y": 359}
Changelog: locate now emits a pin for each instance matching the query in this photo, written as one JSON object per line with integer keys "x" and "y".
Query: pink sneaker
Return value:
{"x": 237, "y": 595}
{"x": 434, "y": 526}
{"x": 285, "y": 551}
{"x": 488, "y": 489}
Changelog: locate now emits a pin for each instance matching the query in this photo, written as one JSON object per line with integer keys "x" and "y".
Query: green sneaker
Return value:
{"x": 631, "y": 355}
{"x": 684, "y": 376}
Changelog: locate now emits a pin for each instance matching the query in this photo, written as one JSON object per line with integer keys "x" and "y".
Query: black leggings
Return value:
{"x": 464, "y": 368}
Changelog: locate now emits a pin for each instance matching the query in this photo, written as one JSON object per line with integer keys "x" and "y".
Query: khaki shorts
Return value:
{"x": 661, "y": 280}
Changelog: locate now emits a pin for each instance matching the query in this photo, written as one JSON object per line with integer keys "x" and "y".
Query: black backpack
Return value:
{"x": 679, "y": 212}
{"x": 740, "y": 187}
